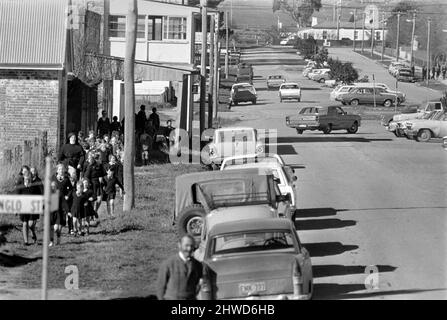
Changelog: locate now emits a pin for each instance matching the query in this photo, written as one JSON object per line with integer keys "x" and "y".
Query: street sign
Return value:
{"x": 26, "y": 204}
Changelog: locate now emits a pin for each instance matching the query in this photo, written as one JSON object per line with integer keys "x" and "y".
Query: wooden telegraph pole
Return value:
{"x": 397, "y": 37}
{"x": 355, "y": 29}
{"x": 129, "y": 98}
{"x": 227, "y": 40}
{"x": 202, "y": 120}
{"x": 211, "y": 105}
{"x": 363, "y": 32}
{"x": 216, "y": 69}
{"x": 412, "y": 39}
{"x": 428, "y": 50}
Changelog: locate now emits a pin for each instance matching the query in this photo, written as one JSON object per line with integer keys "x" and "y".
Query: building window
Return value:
{"x": 154, "y": 28}
{"x": 174, "y": 28}
{"x": 117, "y": 26}
{"x": 324, "y": 34}
{"x": 356, "y": 35}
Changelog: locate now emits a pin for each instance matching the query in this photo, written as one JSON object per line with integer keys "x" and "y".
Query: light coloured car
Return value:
{"x": 242, "y": 92}
{"x": 249, "y": 158}
{"x": 423, "y": 130}
{"x": 394, "y": 66}
{"x": 275, "y": 81}
{"x": 285, "y": 176}
{"x": 233, "y": 141}
{"x": 369, "y": 95}
{"x": 256, "y": 259}
{"x": 322, "y": 76}
{"x": 289, "y": 91}
{"x": 382, "y": 86}
{"x": 317, "y": 71}
{"x": 338, "y": 91}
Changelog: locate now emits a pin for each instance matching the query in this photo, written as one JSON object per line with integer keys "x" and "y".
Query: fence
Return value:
{"x": 31, "y": 153}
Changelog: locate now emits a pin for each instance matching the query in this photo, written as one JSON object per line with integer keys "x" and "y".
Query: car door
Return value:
{"x": 443, "y": 126}
{"x": 304, "y": 260}
{"x": 367, "y": 96}
{"x": 331, "y": 117}
{"x": 342, "y": 119}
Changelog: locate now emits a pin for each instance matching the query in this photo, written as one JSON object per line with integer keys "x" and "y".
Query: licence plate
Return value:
{"x": 247, "y": 289}
{"x": 302, "y": 126}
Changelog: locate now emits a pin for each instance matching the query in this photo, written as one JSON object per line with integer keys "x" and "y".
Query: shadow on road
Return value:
{"x": 321, "y": 224}
{"x": 315, "y": 212}
{"x": 327, "y": 138}
{"x": 12, "y": 261}
{"x": 331, "y": 270}
{"x": 150, "y": 297}
{"x": 286, "y": 149}
{"x": 334, "y": 290}
{"x": 322, "y": 249}
{"x": 338, "y": 291}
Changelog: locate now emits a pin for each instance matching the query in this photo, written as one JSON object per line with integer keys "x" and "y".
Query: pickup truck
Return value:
{"x": 324, "y": 119}
{"x": 391, "y": 123}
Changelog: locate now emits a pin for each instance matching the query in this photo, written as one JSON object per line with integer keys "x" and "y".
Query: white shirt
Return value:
{"x": 183, "y": 257}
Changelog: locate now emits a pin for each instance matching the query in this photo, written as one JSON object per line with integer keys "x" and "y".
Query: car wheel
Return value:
{"x": 354, "y": 102}
{"x": 191, "y": 220}
{"x": 236, "y": 103}
{"x": 299, "y": 99}
{"x": 387, "y": 103}
{"x": 424, "y": 135}
{"x": 395, "y": 133}
{"x": 253, "y": 102}
{"x": 343, "y": 103}
{"x": 327, "y": 129}
{"x": 354, "y": 128}
{"x": 322, "y": 80}
{"x": 299, "y": 131}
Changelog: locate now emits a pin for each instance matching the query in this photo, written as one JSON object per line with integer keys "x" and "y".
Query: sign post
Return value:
{"x": 36, "y": 205}
{"x": 46, "y": 228}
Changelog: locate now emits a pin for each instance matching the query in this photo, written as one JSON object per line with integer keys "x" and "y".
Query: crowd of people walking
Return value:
{"x": 437, "y": 72}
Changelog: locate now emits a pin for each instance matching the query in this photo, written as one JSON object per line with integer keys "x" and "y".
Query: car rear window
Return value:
{"x": 290, "y": 86}
{"x": 252, "y": 241}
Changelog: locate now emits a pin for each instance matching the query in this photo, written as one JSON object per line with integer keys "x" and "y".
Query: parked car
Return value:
{"x": 253, "y": 158}
{"x": 404, "y": 74}
{"x": 275, "y": 81}
{"x": 202, "y": 193}
{"x": 256, "y": 259}
{"x": 324, "y": 119}
{"x": 322, "y": 76}
{"x": 233, "y": 141}
{"x": 423, "y": 130}
{"x": 339, "y": 90}
{"x": 394, "y": 66}
{"x": 284, "y": 174}
{"x": 316, "y": 72}
{"x": 369, "y": 95}
{"x": 380, "y": 85}
{"x": 401, "y": 126}
{"x": 289, "y": 91}
{"x": 410, "y": 113}
{"x": 242, "y": 92}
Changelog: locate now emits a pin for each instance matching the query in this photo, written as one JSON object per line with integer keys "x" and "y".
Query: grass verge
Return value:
{"x": 123, "y": 253}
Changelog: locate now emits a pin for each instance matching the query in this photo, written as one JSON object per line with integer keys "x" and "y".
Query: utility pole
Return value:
{"x": 397, "y": 37}
{"x": 363, "y": 32}
{"x": 227, "y": 40}
{"x": 412, "y": 39}
{"x": 203, "y": 4}
{"x": 129, "y": 98}
{"x": 372, "y": 40}
{"x": 216, "y": 71}
{"x": 383, "y": 35}
{"x": 428, "y": 51}
{"x": 355, "y": 29}
{"x": 338, "y": 27}
{"x": 211, "y": 77}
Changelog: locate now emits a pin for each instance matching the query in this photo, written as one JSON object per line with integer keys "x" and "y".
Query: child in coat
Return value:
{"x": 109, "y": 190}
{"x": 78, "y": 207}
{"x": 89, "y": 211}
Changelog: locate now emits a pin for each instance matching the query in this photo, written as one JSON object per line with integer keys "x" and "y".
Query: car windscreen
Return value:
{"x": 290, "y": 86}
{"x": 243, "y": 242}
{"x": 244, "y": 89}
{"x": 236, "y": 136}
{"x": 405, "y": 72}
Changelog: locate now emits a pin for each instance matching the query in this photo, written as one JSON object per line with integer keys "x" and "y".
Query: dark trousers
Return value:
{"x": 70, "y": 223}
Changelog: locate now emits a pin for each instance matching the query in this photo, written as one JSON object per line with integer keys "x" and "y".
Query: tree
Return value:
{"x": 307, "y": 47}
{"x": 129, "y": 98}
{"x": 301, "y": 13}
{"x": 343, "y": 72}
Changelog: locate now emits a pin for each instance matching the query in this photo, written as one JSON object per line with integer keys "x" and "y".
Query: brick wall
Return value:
{"x": 29, "y": 103}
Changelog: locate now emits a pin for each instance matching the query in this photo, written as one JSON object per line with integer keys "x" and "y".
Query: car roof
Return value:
{"x": 236, "y": 129}
{"x": 261, "y": 156}
{"x": 251, "y": 225}
{"x": 228, "y": 214}
{"x": 241, "y": 84}
{"x": 263, "y": 165}
{"x": 290, "y": 83}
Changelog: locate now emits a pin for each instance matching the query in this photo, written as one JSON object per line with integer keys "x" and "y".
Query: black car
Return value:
{"x": 242, "y": 92}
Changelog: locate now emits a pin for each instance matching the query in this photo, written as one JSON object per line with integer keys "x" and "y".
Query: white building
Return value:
{"x": 328, "y": 30}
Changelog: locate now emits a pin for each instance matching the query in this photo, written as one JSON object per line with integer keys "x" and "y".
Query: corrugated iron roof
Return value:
{"x": 33, "y": 34}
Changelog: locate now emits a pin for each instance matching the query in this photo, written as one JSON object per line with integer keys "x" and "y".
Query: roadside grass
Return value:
{"x": 122, "y": 254}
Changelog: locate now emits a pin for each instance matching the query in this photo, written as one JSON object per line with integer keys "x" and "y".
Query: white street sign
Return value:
{"x": 26, "y": 204}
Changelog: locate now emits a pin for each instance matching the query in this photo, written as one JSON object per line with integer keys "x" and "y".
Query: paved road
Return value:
{"x": 415, "y": 93}
{"x": 365, "y": 199}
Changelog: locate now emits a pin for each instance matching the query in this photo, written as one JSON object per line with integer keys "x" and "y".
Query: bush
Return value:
{"x": 343, "y": 72}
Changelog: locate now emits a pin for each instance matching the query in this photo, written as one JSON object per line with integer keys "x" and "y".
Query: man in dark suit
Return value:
{"x": 179, "y": 275}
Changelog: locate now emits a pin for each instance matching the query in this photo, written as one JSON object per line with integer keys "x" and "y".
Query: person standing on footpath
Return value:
{"x": 103, "y": 126}
{"x": 180, "y": 275}
{"x": 424, "y": 72}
